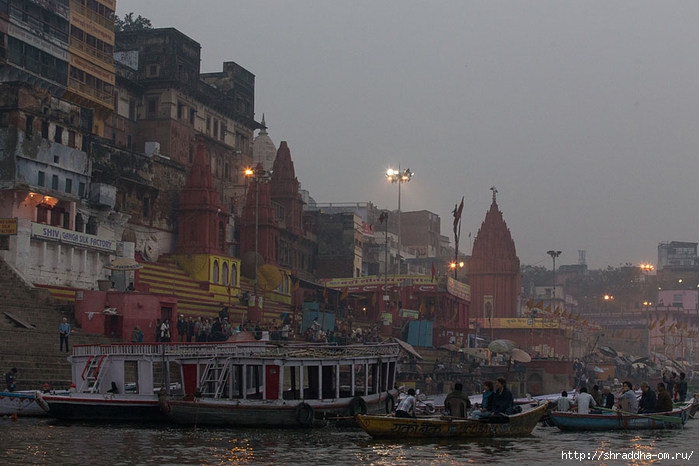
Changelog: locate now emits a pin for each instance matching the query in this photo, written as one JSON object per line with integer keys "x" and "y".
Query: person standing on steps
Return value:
{"x": 64, "y": 332}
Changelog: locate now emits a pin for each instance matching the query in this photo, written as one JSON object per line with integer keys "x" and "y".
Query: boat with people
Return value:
{"x": 608, "y": 419}
{"x": 390, "y": 426}
{"x": 284, "y": 385}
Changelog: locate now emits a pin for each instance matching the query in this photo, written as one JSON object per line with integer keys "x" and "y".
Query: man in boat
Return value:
{"x": 406, "y": 408}
{"x": 664, "y": 402}
{"x": 487, "y": 402}
{"x": 460, "y": 404}
{"x": 648, "y": 399}
{"x": 503, "y": 401}
{"x": 607, "y": 397}
{"x": 627, "y": 400}
{"x": 583, "y": 401}
{"x": 563, "y": 402}
{"x": 596, "y": 394}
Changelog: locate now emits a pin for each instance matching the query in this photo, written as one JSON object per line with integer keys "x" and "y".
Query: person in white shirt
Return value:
{"x": 563, "y": 402}
{"x": 406, "y": 408}
{"x": 584, "y": 401}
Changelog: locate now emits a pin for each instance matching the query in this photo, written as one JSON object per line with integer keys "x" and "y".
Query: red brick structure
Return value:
{"x": 494, "y": 273}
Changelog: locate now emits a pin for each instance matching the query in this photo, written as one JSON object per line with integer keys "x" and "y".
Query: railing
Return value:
{"x": 253, "y": 350}
{"x": 92, "y": 51}
{"x": 102, "y": 96}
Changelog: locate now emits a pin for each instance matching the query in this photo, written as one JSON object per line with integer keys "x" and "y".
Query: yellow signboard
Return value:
{"x": 520, "y": 322}
{"x": 8, "y": 226}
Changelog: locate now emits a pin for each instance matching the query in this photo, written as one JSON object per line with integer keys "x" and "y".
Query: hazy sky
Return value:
{"x": 583, "y": 114}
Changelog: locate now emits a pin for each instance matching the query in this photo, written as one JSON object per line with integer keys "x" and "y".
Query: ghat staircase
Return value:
{"x": 29, "y": 338}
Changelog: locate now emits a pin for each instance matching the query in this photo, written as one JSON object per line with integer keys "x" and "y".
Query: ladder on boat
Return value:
{"x": 213, "y": 378}
{"x": 91, "y": 375}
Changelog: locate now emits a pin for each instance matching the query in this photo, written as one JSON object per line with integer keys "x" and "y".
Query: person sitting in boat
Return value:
{"x": 596, "y": 394}
{"x": 487, "y": 402}
{"x": 503, "y": 401}
{"x": 627, "y": 400}
{"x": 457, "y": 401}
{"x": 406, "y": 408}
{"x": 563, "y": 402}
{"x": 664, "y": 401}
{"x": 648, "y": 399}
{"x": 607, "y": 397}
{"x": 583, "y": 401}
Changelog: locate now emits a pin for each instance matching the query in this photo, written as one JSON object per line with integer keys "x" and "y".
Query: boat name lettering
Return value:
{"x": 409, "y": 428}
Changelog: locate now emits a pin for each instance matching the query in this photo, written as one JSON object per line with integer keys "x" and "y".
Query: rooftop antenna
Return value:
{"x": 581, "y": 257}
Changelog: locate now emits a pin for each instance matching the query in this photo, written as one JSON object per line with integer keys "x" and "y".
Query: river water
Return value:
{"x": 46, "y": 441}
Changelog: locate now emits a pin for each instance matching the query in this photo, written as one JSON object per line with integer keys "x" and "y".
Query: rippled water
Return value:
{"x": 44, "y": 441}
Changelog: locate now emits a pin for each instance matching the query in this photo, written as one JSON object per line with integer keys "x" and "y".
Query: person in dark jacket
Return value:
{"x": 648, "y": 399}
{"x": 681, "y": 388}
{"x": 181, "y": 328}
{"x": 664, "y": 403}
{"x": 503, "y": 401}
{"x": 607, "y": 397}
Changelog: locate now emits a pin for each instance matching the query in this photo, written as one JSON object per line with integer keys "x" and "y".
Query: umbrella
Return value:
{"x": 608, "y": 351}
{"x": 475, "y": 353}
{"x": 407, "y": 347}
{"x": 501, "y": 346}
{"x": 449, "y": 347}
{"x": 123, "y": 264}
{"x": 520, "y": 355}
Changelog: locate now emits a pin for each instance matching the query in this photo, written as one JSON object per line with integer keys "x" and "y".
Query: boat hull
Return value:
{"x": 84, "y": 407}
{"x": 270, "y": 414}
{"x": 20, "y": 403}
{"x": 393, "y": 427}
{"x": 570, "y": 421}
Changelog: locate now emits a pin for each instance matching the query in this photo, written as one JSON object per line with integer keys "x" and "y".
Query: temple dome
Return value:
{"x": 263, "y": 149}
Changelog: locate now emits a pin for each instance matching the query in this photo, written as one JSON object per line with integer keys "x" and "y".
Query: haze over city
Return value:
{"x": 584, "y": 115}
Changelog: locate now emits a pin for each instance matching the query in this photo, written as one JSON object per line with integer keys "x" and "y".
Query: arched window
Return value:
{"x": 225, "y": 273}
{"x": 215, "y": 280}
{"x": 234, "y": 275}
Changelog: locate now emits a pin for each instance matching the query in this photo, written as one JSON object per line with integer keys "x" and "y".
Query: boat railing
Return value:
{"x": 218, "y": 349}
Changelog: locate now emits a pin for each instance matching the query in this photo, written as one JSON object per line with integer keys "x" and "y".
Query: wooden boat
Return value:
{"x": 618, "y": 420}
{"x": 428, "y": 427}
{"x": 22, "y": 403}
{"x": 285, "y": 386}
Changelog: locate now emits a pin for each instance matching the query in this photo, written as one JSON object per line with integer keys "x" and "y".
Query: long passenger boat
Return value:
{"x": 443, "y": 426}
{"x": 619, "y": 420}
{"x": 243, "y": 383}
{"x": 291, "y": 385}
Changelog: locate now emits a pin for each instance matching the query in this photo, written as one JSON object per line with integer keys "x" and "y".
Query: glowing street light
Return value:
{"x": 259, "y": 174}
{"x": 399, "y": 176}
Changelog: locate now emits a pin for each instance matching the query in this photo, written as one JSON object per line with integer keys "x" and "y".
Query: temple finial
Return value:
{"x": 495, "y": 192}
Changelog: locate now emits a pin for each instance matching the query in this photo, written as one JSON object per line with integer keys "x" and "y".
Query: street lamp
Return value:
{"x": 258, "y": 174}
{"x": 399, "y": 176}
{"x": 553, "y": 255}
{"x": 455, "y": 266}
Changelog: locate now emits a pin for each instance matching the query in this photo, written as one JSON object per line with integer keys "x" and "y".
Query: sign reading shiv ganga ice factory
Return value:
{"x": 75, "y": 238}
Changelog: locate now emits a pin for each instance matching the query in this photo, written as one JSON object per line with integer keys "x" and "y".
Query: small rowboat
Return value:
{"x": 428, "y": 427}
{"x": 619, "y": 420}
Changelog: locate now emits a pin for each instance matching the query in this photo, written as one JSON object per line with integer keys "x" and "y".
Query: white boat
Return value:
{"x": 21, "y": 403}
{"x": 293, "y": 385}
{"x": 251, "y": 383}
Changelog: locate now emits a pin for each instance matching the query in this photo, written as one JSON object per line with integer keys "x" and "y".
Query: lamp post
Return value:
{"x": 259, "y": 174}
{"x": 553, "y": 255}
{"x": 647, "y": 268}
{"x": 400, "y": 177}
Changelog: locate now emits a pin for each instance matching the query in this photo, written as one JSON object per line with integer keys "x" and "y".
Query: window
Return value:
{"x": 215, "y": 128}
{"x": 129, "y": 142}
{"x": 208, "y": 124}
{"x": 28, "y": 127}
{"x": 45, "y": 129}
{"x": 71, "y": 139}
{"x": 56, "y": 159}
{"x": 153, "y": 71}
{"x": 223, "y": 131}
{"x": 79, "y": 223}
{"x": 146, "y": 207}
{"x": 42, "y": 214}
{"x": 58, "y": 137}
{"x": 69, "y": 185}
{"x": 180, "y": 110}
{"x": 41, "y": 179}
{"x": 81, "y": 189}
{"x": 132, "y": 109}
{"x": 192, "y": 114}
{"x": 152, "y": 106}
{"x": 54, "y": 182}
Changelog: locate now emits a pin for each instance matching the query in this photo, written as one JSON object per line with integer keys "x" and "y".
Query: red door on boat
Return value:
{"x": 271, "y": 382}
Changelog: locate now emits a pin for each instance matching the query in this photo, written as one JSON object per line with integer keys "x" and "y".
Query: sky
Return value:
{"x": 583, "y": 115}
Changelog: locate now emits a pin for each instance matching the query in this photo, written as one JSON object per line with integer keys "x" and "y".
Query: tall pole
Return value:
{"x": 398, "y": 255}
{"x": 257, "y": 228}
{"x": 400, "y": 176}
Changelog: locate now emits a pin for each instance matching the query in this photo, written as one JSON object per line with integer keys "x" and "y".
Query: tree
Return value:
{"x": 131, "y": 24}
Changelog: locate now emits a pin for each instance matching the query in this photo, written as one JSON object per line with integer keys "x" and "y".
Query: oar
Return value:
{"x": 657, "y": 417}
